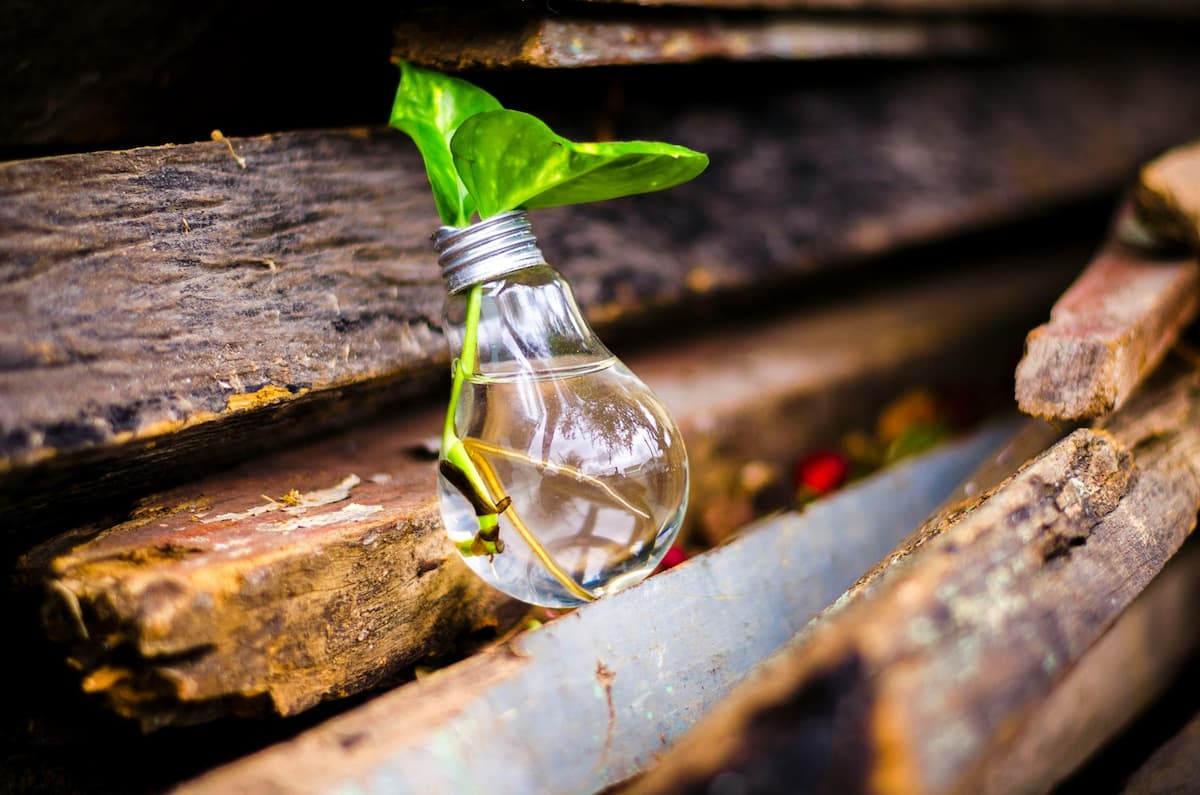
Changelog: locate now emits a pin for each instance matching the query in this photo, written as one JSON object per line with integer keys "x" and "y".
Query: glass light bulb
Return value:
{"x": 584, "y": 472}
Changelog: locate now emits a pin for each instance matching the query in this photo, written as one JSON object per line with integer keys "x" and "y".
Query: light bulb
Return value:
{"x": 570, "y": 479}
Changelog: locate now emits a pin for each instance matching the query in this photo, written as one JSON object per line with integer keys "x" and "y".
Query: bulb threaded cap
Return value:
{"x": 481, "y": 252}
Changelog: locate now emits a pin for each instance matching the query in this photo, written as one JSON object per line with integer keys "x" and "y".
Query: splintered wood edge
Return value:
{"x": 1107, "y": 332}
{"x": 1034, "y": 438}
{"x": 874, "y": 656}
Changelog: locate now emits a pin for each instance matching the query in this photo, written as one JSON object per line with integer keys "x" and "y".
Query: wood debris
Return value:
{"x": 1106, "y": 333}
{"x": 930, "y": 674}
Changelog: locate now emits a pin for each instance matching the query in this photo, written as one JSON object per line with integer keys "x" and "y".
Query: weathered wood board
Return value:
{"x": 204, "y": 601}
{"x": 1107, "y": 333}
{"x": 1089, "y": 7}
{"x": 591, "y": 698}
{"x": 503, "y": 39}
{"x": 1167, "y": 196}
{"x": 1030, "y": 440}
{"x": 923, "y": 679}
{"x": 165, "y": 309}
{"x": 1128, "y": 670}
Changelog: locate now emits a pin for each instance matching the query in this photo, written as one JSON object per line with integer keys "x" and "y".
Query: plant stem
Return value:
{"x": 480, "y": 476}
{"x": 478, "y": 445}
{"x": 466, "y": 359}
{"x": 452, "y": 446}
{"x": 539, "y": 551}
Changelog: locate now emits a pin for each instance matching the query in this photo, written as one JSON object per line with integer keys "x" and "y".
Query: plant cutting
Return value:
{"x": 561, "y": 476}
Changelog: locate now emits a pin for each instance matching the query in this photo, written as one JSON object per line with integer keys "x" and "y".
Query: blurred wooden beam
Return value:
{"x": 910, "y": 689}
{"x": 1107, "y": 333}
{"x": 588, "y": 700}
{"x": 168, "y": 311}
{"x": 501, "y": 39}
{"x": 1151, "y": 8}
{"x": 1174, "y": 766}
{"x": 1167, "y": 196}
{"x": 223, "y": 596}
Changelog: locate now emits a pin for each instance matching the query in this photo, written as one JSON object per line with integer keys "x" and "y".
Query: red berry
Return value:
{"x": 675, "y": 555}
{"x": 822, "y": 472}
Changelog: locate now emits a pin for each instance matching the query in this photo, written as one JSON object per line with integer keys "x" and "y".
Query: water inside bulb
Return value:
{"x": 595, "y": 470}
{"x": 563, "y": 478}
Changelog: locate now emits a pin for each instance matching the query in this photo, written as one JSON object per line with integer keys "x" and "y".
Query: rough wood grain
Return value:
{"x": 1143, "y": 652}
{"x": 503, "y": 39}
{"x": 162, "y": 303}
{"x": 1128, "y": 669}
{"x": 1106, "y": 333}
{"x": 587, "y": 700}
{"x": 1031, "y": 440}
{"x": 912, "y": 687}
{"x": 1167, "y": 196}
{"x": 178, "y": 615}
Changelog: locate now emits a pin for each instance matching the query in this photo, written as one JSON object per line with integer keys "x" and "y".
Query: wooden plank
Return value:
{"x": 589, "y": 699}
{"x": 1128, "y": 670}
{"x": 502, "y": 39}
{"x": 1144, "y": 650}
{"x": 922, "y": 680}
{"x": 1086, "y": 7}
{"x": 176, "y": 615}
{"x": 147, "y": 335}
{"x": 1029, "y": 441}
{"x": 1106, "y": 333}
{"x": 1167, "y": 196}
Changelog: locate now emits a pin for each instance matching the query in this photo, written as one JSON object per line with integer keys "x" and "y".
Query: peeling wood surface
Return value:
{"x": 924, "y": 678}
{"x": 589, "y": 699}
{"x": 562, "y": 41}
{"x": 1167, "y": 196}
{"x": 1106, "y": 333}
{"x": 204, "y": 602}
{"x": 305, "y": 577}
{"x": 163, "y": 301}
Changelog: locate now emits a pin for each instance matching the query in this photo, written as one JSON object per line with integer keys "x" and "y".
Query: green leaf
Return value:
{"x": 508, "y": 159}
{"x": 430, "y": 106}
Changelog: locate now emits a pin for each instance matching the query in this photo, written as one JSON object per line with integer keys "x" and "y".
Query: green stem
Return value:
{"x": 478, "y": 445}
{"x": 466, "y": 360}
{"x": 455, "y": 451}
{"x": 485, "y": 483}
